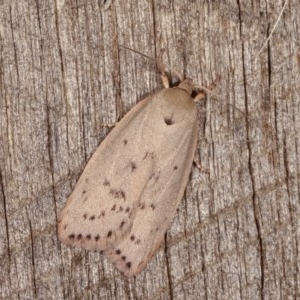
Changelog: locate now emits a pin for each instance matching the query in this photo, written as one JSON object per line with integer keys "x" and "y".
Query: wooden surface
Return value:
{"x": 64, "y": 73}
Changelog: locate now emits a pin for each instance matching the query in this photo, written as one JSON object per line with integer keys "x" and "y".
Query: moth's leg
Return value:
{"x": 199, "y": 97}
{"x": 109, "y": 125}
{"x": 163, "y": 75}
{"x": 165, "y": 80}
{"x": 198, "y": 164}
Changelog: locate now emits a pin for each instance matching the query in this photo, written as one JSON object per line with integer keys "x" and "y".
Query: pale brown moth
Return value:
{"x": 128, "y": 193}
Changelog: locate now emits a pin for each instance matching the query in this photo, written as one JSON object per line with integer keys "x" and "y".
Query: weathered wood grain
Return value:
{"x": 64, "y": 73}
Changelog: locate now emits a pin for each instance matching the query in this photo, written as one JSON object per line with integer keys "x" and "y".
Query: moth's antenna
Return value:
{"x": 140, "y": 53}
{"x": 272, "y": 31}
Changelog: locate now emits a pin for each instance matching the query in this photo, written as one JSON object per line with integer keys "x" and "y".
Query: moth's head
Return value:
{"x": 176, "y": 103}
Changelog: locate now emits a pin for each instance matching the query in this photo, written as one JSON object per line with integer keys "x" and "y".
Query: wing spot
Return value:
{"x": 133, "y": 166}
{"x": 113, "y": 207}
{"x": 88, "y": 236}
{"x": 97, "y": 237}
{"x": 137, "y": 242}
{"x": 71, "y": 236}
{"x": 121, "y": 208}
{"x": 84, "y": 216}
{"x": 109, "y": 234}
{"x": 175, "y": 168}
{"x": 169, "y": 120}
{"x": 149, "y": 155}
{"x": 123, "y": 258}
{"x": 106, "y": 182}
{"x": 122, "y": 224}
{"x": 83, "y": 192}
{"x": 102, "y": 214}
{"x": 142, "y": 206}
{"x": 132, "y": 237}
{"x": 125, "y": 142}
{"x": 65, "y": 227}
{"x": 118, "y": 251}
{"x": 127, "y": 209}
{"x": 128, "y": 265}
{"x": 152, "y": 206}
{"x": 154, "y": 176}
{"x": 79, "y": 236}
{"x": 117, "y": 194}
{"x": 92, "y": 217}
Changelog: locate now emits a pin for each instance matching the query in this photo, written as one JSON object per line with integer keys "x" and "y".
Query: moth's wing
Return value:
{"x": 162, "y": 194}
{"x": 99, "y": 210}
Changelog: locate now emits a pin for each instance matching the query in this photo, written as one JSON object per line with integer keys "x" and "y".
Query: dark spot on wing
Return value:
{"x": 109, "y": 234}
{"x": 85, "y": 199}
{"x": 118, "y": 251}
{"x": 102, "y": 214}
{"x": 79, "y": 236}
{"x": 65, "y": 227}
{"x": 149, "y": 155}
{"x": 137, "y": 242}
{"x": 152, "y": 206}
{"x": 92, "y": 217}
{"x": 154, "y": 176}
{"x": 117, "y": 194}
{"x": 169, "y": 120}
{"x": 113, "y": 207}
{"x": 72, "y": 236}
{"x": 175, "y": 168}
{"x": 122, "y": 224}
{"x": 97, "y": 237}
{"x": 106, "y": 182}
{"x": 127, "y": 209}
{"x": 123, "y": 257}
{"x": 128, "y": 265}
{"x": 132, "y": 237}
{"x": 88, "y": 236}
{"x": 123, "y": 195}
{"x": 121, "y": 208}
{"x": 133, "y": 166}
{"x": 84, "y": 216}
{"x": 83, "y": 192}
{"x": 101, "y": 252}
{"x": 142, "y": 206}
{"x": 125, "y": 142}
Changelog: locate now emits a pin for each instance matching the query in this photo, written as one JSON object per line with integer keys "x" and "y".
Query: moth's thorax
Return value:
{"x": 176, "y": 104}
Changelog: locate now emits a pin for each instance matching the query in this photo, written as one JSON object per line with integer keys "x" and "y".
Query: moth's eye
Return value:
{"x": 169, "y": 120}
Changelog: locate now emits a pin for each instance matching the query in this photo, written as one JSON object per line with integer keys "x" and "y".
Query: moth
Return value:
{"x": 129, "y": 192}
